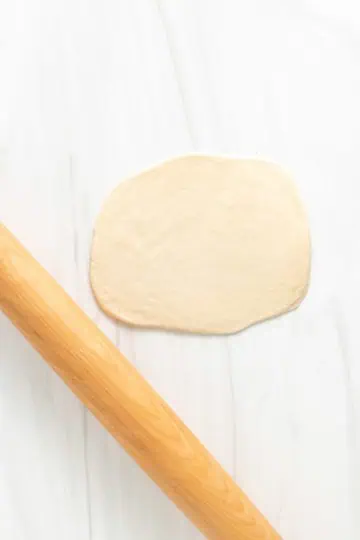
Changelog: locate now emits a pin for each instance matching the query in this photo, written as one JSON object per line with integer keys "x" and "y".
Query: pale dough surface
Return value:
{"x": 203, "y": 244}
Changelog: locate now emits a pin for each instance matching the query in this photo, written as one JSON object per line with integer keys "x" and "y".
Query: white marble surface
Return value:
{"x": 91, "y": 92}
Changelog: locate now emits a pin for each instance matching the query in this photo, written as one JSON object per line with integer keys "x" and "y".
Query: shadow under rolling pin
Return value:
{"x": 116, "y": 393}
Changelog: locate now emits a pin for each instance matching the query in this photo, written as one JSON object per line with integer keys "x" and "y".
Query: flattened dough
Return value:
{"x": 202, "y": 244}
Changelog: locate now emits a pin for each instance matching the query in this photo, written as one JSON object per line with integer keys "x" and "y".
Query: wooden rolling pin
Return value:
{"x": 109, "y": 385}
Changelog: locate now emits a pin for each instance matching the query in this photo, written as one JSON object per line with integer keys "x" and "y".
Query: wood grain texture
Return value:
{"x": 92, "y": 93}
{"x": 122, "y": 400}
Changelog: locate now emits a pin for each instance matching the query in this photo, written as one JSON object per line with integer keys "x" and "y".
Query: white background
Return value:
{"x": 93, "y": 91}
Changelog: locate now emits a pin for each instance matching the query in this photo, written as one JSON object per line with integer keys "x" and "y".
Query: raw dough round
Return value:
{"x": 203, "y": 244}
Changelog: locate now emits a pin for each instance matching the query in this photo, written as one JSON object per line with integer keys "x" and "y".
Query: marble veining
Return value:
{"x": 93, "y": 92}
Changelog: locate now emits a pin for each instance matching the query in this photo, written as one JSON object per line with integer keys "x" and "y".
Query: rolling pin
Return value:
{"x": 109, "y": 385}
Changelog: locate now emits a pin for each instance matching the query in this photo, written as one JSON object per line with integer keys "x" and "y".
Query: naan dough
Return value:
{"x": 203, "y": 244}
